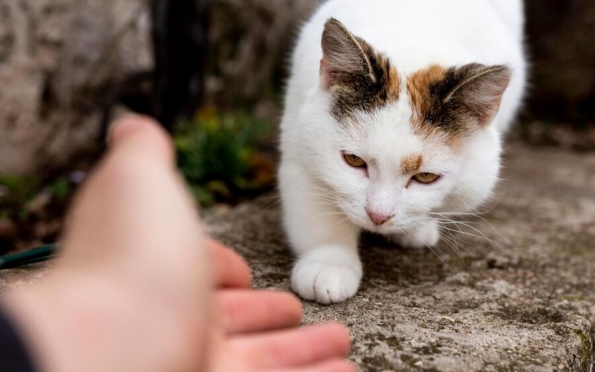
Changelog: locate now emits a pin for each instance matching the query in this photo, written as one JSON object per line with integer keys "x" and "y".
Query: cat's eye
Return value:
{"x": 355, "y": 161}
{"x": 426, "y": 178}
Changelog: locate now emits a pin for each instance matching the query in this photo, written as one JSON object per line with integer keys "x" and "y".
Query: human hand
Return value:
{"x": 248, "y": 313}
{"x": 133, "y": 291}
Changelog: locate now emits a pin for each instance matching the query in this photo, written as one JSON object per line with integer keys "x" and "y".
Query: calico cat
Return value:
{"x": 394, "y": 112}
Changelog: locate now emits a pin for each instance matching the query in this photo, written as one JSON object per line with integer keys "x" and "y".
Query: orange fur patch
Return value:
{"x": 452, "y": 102}
{"x": 411, "y": 164}
{"x": 418, "y": 86}
{"x": 393, "y": 85}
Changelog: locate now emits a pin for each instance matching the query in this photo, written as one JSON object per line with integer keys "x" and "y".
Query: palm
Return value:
{"x": 260, "y": 327}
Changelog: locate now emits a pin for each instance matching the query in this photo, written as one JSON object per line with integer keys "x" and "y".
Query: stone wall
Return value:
{"x": 58, "y": 57}
{"x": 55, "y": 56}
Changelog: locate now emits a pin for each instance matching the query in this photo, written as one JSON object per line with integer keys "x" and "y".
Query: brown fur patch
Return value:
{"x": 360, "y": 78}
{"x": 418, "y": 87}
{"x": 455, "y": 101}
{"x": 411, "y": 164}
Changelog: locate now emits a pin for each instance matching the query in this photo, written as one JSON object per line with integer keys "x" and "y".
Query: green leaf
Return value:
{"x": 218, "y": 148}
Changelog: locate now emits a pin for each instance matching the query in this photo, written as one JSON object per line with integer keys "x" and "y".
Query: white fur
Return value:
{"x": 324, "y": 199}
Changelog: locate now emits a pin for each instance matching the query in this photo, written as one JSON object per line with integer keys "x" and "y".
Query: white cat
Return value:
{"x": 394, "y": 111}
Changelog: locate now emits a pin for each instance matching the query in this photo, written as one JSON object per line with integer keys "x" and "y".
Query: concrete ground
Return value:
{"x": 522, "y": 298}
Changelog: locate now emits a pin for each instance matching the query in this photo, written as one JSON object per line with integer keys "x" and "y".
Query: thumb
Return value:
{"x": 135, "y": 214}
{"x": 142, "y": 137}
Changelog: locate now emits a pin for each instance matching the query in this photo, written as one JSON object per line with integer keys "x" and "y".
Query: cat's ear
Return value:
{"x": 345, "y": 57}
{"x": 478, "y": 89}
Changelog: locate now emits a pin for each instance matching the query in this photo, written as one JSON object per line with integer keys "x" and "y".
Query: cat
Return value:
{"x": 394, "y": 111}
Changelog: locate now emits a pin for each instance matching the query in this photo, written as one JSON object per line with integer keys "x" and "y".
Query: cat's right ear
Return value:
{"x": 346, "y": 58}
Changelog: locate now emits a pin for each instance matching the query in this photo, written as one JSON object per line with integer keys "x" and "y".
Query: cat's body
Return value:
{"x": 397, "y": 116}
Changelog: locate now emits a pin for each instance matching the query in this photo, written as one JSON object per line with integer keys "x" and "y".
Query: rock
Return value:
{"x": 58, "y": 58}
{"x": 22, "y": 277}
{"x": 55, "y": 58}
{"x": 520, "y": 299}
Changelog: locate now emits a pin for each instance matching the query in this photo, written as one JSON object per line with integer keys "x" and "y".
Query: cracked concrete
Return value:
{"x": 520, "y": 299}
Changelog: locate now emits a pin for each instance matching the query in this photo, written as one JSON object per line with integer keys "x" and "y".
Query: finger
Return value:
{"x": 295, "y": 348}
{"x": 337, "y": 365}
{"x": 135, "y": 214}
{"x": 135, "y": 135}
{"x": 258, "y": 311}
{"x": 230, "y": 269}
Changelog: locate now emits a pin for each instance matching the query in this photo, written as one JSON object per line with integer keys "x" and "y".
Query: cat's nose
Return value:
{"x": 378, "y": 218}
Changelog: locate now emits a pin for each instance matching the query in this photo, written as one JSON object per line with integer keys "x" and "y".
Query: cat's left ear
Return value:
{"x": 478, "y": 89}
{"x": 348, "y": 60}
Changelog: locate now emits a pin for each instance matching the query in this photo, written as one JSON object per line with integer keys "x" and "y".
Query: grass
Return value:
{"x": 219, "y": 156}
{"x": 31, "y": 209}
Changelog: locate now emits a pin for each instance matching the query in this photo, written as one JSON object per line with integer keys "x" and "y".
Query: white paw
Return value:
{"x": 325, "y": 283}
{"x": 424, "y": 236}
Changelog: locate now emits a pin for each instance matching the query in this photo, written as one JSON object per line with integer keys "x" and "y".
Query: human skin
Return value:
{"x": 139, "y": 287}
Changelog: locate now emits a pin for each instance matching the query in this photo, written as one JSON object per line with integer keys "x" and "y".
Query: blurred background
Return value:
{"x": 212, "y": 72}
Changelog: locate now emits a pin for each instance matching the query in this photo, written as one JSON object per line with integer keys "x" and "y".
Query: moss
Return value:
{"x": 374, "y": 339}
{"x": 408, "y": 359}
{"x": 587, "y": 354}
{"x": 539, "y": 315}
{"x": 376, "y": 363}
{"x": 432, "y": 349}
{"x": 274, "y": 277}
{"x": 394, "y": 343}
{"x": 467, "y": 305}
{"x": 574, "y": 297}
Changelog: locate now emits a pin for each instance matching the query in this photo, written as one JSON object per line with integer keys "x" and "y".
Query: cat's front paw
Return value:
{"x": 326, "y": 282}
{"x": 424, "y": 236}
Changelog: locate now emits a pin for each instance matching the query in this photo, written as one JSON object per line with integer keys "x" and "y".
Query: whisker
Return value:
{"x": 340, "y": 222}
{"x": 464, "y": 233}
{"x": 452, "y": 242}
{"x": 479, "y": 232}
{"x": 431, "y": 249}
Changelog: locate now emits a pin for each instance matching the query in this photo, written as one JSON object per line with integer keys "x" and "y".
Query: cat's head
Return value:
{"x": 396, "y": 148}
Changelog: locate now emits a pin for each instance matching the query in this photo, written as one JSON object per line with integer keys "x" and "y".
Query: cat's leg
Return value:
{"x": 426, "y": 235}
{"x": 328, "y": 268}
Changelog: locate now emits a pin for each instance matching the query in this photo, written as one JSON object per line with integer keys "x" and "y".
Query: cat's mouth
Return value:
{"x": 392, "y": 226}
{"x": 399, "y": 224}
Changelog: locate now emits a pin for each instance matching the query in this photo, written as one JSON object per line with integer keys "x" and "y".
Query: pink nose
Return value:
{"x": 378, "y": 218}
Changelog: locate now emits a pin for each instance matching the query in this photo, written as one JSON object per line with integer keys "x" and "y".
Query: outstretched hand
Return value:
{"x": 248, "y": 314}
{"x": 140, "y": 288}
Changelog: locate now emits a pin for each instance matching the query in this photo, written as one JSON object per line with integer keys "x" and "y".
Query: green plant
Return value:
{"x": 31, "y": 208}
{"x": 218, "y": 154}
{"x": 17, "y": 191}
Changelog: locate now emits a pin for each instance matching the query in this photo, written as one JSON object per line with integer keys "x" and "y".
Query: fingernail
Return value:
{"x": 120, "y": 128}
